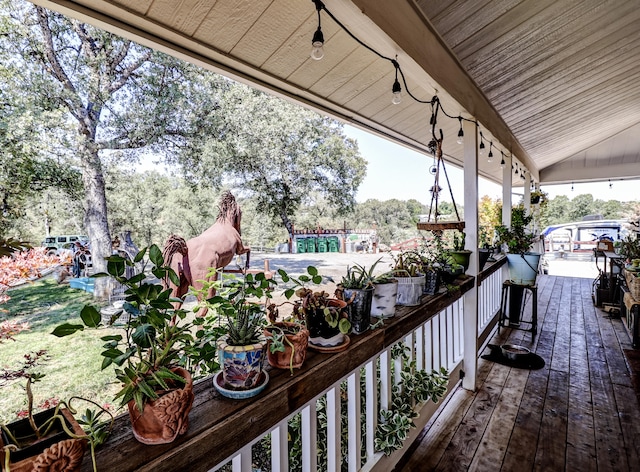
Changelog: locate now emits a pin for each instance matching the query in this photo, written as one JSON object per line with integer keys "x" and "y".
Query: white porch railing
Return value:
{"x": 433, "y": 344}
{"x": 325, "y": 416}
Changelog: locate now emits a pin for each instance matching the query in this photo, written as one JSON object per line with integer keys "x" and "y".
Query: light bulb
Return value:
{"x": 317, "y": 52}
{"x": 317, "y": 43}
{"x": 482, "y": 148}
{"x": 397, "y": 93}
{"x": 460, "y": 139}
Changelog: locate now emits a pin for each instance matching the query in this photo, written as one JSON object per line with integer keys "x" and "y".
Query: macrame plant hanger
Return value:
{"x": 432, "y": 223}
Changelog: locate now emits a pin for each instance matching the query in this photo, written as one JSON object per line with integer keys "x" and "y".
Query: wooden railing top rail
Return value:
{"x": 219, "y": 426}
{"x": 490, "y": 268}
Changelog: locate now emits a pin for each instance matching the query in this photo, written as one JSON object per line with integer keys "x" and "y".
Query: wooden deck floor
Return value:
{"x": 578, "y": 413}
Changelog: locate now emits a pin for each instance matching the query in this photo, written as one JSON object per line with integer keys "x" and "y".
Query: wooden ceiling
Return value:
{"x": 557, "y": 82}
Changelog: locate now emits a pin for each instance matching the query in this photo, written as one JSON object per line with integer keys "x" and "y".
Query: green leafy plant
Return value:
{"x": 155, "y": 334}
{"x": 459, "y": 241}
{"x": 359, "y": 277}
{"x": 517, "y": 238}
{"x": 415, "y": 388}
{"x": 236, "y": 307}
{"x": 630, "y": 247}
{"x": 309, "y": 300}
{"x": 96, "y": 429}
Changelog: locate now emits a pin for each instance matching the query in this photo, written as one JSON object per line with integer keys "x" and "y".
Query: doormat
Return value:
{"x": 529, "y": 361}
{"x": 633, "y": 361}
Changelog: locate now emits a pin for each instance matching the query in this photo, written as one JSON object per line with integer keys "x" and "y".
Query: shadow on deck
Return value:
{"x": 580, "y": 412}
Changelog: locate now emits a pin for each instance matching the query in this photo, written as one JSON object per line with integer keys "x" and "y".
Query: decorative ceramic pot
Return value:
{"x": 55, "y": 452}
{"x": 384, "y": 300}
{"x": 461, "y": 257}
{"x": 295, "y": 345}
{"x": 410, "y": 290}
{"x": 163, "y": 420}
{"x": 431, "y": 282}
{"x": 359, "y": 308}
{"x": 320, "y": 332}
{"x": 241, "y": 365}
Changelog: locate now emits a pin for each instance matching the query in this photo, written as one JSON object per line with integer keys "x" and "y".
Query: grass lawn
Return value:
{"x": 74, "y": 365}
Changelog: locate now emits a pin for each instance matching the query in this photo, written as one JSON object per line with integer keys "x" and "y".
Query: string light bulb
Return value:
{"x": 572, "y": 186}
{"x": 490, "y": 156}
{"x": 460, "y": 139}
{"x": 396, "y": 90}
{"x": 317, "y": 43}
{"x": 610, "y": 184}
{"x": 502, "y": 163}
{"x": 482, "y": 146}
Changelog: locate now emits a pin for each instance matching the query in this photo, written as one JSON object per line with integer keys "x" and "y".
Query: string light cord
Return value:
{"x": 435, "y": 103}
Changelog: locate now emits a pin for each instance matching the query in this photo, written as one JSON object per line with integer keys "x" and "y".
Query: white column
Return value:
{"x": 470, "y": 357}
{"x": 527, "y": 192}
{"x": 507, "y": 173}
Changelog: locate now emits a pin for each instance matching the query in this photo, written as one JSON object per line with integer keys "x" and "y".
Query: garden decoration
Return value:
{"x": 215, "y": 247}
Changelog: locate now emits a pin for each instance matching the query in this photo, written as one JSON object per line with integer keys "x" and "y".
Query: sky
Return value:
{"x": 395, "y": 171}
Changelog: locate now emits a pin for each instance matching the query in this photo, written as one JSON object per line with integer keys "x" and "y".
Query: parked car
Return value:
{"x": 55, "y": 244}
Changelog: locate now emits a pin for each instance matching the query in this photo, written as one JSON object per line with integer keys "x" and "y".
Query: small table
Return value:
{"x": 506, "y": 291}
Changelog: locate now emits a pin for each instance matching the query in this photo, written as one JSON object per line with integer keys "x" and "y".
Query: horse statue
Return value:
{"x": 216, "y": 247}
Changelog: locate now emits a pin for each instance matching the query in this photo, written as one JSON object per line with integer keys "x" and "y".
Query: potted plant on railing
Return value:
{"x": 459, "y": 254}
{"x": 241, "y": 320}
{"x": 156, "y": 389}
{"x": 52, "y": 439}
{"x": 324, "y": 316}
{"x": 411, "y": 281}
{"x": 357, "y": 290}
{"x": 385, "y": 295}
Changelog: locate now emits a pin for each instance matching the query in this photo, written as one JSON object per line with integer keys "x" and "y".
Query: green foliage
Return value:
{"x": 155, "y": 336}
{"x": 359, "y": 277}
{"x": 415, "y": 388}
{"x": 233, "y": 306}
{"x": 278, "y": 153}
{"x": 517, "y": 238}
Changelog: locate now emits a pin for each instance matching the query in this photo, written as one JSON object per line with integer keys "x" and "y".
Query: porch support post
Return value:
{"x": 527, "y": 192}
{"x": 506, "y": 191}
{"x": 470, "y": 300}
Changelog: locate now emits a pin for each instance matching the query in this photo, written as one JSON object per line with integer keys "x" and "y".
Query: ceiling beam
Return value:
{"x": 565, "y": 172}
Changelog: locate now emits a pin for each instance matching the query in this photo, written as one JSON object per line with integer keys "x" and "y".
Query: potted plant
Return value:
{"x": 385, "y": 295}
{"x": 538, "y": 197}
{"x": 459, "y": 254}
{"x": 629, "y": 248}
{"x": 523, "y": 264}
{"x": 411, "y": 281}
{"x": 357, "y": 290}
{"x": 325, "y": 317}
{"x": 241, "y": 346}
{"x": 51, "y": 439}
{"x": 157, "y": 391}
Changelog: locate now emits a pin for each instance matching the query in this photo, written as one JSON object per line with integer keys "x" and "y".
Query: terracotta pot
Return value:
{"x": 164, "y": 419}
{"x": 55, "y": 452}
{"x": 300, "y": 341}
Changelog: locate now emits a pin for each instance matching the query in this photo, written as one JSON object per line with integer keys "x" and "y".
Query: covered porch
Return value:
{"x": 556, "y": 99}
{"x": 579, "y": 412}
